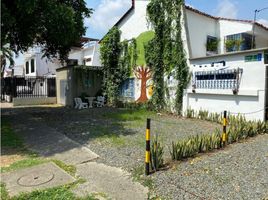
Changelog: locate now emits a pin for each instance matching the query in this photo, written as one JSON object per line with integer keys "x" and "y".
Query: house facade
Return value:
{"x": 227, "y": 63}
{"x": 228, "y": 73}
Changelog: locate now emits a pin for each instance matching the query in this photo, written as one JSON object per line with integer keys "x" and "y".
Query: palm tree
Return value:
{"x": 6, "y": 55}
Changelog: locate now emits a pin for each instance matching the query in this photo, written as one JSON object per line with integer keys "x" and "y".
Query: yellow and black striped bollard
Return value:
{"x": 224, "y": 134}
{"x": 147, "y": 154}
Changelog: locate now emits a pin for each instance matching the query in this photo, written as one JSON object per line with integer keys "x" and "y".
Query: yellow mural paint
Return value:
{"x": 150, "y": 90}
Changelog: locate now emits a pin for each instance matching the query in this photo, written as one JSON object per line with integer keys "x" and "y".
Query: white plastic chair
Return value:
{"x": 79, "y": 104}
{"x": 100, "y": 101}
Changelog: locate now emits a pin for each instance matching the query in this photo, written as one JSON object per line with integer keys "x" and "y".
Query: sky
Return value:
{"x": 108, "y": 12}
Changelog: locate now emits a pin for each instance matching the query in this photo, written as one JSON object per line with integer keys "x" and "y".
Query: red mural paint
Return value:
{"x": 144, "y": 74}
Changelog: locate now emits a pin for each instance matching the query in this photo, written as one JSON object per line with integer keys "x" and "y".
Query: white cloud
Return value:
{"x": 263, "y": 21}
{"x": 227, "y": 9}
{"x": 106, "y": 14}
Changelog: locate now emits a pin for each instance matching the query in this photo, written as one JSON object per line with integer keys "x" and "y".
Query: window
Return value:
{"x": 87, "y": 60}
{"x": 127, "y": 88}
{"x": 32, "y": 66}
{"x": 220, "y": 79}
{"x": 212, "y": 44}
{"x": 27, "y": 67}
{"x": 238, "y": 42}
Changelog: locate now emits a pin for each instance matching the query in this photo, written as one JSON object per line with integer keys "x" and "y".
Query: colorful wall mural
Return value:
{"x": 140, "y": 71}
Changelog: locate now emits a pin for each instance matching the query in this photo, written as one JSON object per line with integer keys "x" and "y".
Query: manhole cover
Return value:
{"x": 35, "y": 179}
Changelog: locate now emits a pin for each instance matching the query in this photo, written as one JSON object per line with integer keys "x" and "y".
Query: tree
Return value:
{"x": 6, "y": 55}
{"x": 144, "y": 74}
{"x": 56, "y": 25}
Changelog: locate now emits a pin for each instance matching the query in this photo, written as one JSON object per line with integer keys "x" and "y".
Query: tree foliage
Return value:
{"x": 165, "y": 52}
{"x": 56, "y": 25}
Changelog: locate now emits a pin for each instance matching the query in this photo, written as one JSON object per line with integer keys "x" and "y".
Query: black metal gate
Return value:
{"x": 28, "y": 87}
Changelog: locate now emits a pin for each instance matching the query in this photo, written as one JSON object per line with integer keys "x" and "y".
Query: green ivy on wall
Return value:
{"x": 165, "y": 52}
{"x": 117, "y": 59}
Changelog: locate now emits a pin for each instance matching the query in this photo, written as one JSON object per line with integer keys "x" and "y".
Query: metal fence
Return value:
{"x": 28, "y": 87}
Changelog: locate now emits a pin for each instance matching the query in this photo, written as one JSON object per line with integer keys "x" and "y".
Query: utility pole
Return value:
{"x": 253, "y": 26}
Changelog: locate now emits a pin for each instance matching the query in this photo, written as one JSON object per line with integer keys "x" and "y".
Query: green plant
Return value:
{"x": 157, "y": 152}
{"x": 3, "y": 192}
{"x": 233, "y": 45}
{"x": 190, "y": 113}
{"x": 212, "y": 45}
{"x": 165, "y": 52}
{"x": 116, "y": 61}
{"x": 70, "y": 169}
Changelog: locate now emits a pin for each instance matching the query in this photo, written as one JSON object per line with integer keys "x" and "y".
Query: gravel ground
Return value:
{"x": 119, "y": 142}
{"x": 240, "y": 171}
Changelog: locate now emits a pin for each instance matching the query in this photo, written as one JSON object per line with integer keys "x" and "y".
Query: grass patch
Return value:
{"x": 28, "y": 162}
{"x": 138, "y": 175}
{"x": 9, "y": 138}
{"x": 130, "y": 115}
{"x": 70, "y": 169}
{"x": 4, "y": 194}
{"x": 112, "y": 139}
{"x": 57, "y": 193}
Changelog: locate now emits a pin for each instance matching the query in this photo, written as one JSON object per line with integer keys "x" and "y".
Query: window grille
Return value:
{"x": 219, "y": 79}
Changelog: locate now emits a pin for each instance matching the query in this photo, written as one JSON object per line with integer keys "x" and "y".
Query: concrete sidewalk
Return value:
{"x": 48, "y": 142}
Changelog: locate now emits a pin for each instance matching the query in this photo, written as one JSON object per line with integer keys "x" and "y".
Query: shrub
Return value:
{"x": 157, "y": 160}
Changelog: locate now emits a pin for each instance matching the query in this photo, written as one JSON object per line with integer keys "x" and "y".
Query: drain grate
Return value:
{"x": 35, "y": 179}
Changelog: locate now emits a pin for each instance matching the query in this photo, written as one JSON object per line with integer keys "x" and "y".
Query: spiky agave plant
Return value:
{"x": 216, "y": 139}
{"x": 157, "y": 152}
{"x": 178, "y": 150}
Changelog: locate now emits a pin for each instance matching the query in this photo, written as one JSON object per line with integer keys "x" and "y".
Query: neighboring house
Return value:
{"x": 81, "y": 76}
{"x": 88, "y": 55}
{"x": 227, "y": 73}
{"x": 37, "y": 65}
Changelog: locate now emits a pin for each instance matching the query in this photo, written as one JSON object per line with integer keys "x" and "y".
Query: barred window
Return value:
{"x": 220, "y": 79}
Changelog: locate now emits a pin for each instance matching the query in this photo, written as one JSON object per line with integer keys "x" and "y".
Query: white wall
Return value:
{"x": 43, "y": 66}
{"x": 251, "y": 93}
{"x": 230, "y": 28}
{"x": 199, "y": 27}
{"x": 46, "y": 66}
{"x": 96, "y": 55}
{"x": 77, "y": 55}
{"x": 135, "y": 23}
{"x": 92, "y": 51}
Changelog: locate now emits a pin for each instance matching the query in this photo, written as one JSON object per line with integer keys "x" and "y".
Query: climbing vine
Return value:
{"x": 165, "y": 52}
{"x": 182, "y": 70}
{"x": 117, "y": 59}
{"x": 155, "y": 49}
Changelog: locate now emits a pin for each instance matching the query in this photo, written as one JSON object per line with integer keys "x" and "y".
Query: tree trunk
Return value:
{"x": 143, "y": 96}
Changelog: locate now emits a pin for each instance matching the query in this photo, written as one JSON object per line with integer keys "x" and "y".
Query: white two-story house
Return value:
{"x": 228, "y": 63}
